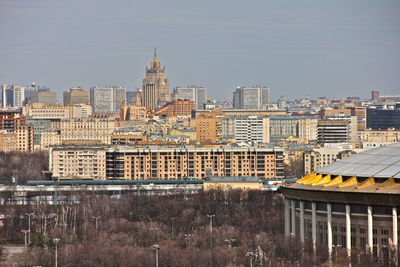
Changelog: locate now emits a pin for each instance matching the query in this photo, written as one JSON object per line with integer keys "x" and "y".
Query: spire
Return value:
{"x": 155, "y": 64}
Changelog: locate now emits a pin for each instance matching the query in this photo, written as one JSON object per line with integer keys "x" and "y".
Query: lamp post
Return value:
{"x": 96, "y": 218}
{"x": 187, "y": 237}
{"x": 55, "y": 241}
{"x": 25, "y": 232}
{"x": 156, "y": 248}
{"x": 29, "y": 225}
{"x": 251, "y": 255}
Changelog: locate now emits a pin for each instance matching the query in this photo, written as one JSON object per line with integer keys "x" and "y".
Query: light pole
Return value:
{"x": 156, "y": 248}
{"x": 55, "y": 241}
{"x": 96, "y": 218}
{"x": 187, "y": 237}
{"x": 29, "y": 225}
{"x": 25, "y": 232}
{"x": 251, "y": 255}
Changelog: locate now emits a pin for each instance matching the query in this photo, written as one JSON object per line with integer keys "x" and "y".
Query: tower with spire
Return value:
{"x": 155, "y": 85}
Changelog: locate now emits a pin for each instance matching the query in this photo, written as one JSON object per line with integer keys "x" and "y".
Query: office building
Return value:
{"x": 107, "y": 100}
{"x": 195, "y": 93}
{"x": 375, "y": 95}
{"x": 44, "y": 97}
{"x": 352, "y": 203}
{"x": 337, "y": 130}
{"x": 13, "y": 96}
{"x": 155, "y": 85}
{"x": 383, "y": 119}
{"x": 251, "y": 98}
{"x": 75, "y": 96}
{"x": 252, "y": 129}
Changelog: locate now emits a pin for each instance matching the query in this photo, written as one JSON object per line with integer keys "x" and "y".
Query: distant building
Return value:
{"x": 45, "y": 97}
{"x": 208, "y": 127}
{"x": 337, "y": 130}
{"x": 375, "y": 95}
{"x": 251, "y": 98}
{"x": 11, "y": 120}
{"x": 197, "y": 94}
{"x": 251, "y": 129}
{"x": 176, "y": 108}
{"x": 75, "y": 96}
{"x": 107, "y": 100}
{"x": 134, "y": 98}
{"x": 296, "y": 126}
{"x": 42, "y": 111}
{"x": 13, "y": 96}
{"x": 133, "y": 113}
{"x": 281, "y": 102}
{"x": 155, "y": 85}
{"x": 232, "y": 183}
{"x": 382, "y": 119}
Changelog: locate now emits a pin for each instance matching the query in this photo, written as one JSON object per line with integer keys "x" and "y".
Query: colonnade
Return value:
{"x": 290, "y": 224}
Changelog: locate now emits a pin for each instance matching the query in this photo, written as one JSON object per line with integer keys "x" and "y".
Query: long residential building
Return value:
{"x": 42, "y": 111}
{"x": 128, "y": 163}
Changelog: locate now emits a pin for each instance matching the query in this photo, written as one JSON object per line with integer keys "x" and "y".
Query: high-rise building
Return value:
{"x": 13, "y": 96}
{"x": 375, "y": 95}
{"x": 45, "y": 97}
{"x": 107, "y": 100}
{"x": 208, "y": 126}
{"x": 197, "y": 94}
{"x": 337, "y": 130}
{"x": 252, "y": 129}
{"x": 76, "y": 96}
{"x": 155, "y": 85}
{"x": 251, "y": 98}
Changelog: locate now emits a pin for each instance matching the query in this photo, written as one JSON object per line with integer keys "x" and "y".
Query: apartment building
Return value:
{"x": 208, "y": 127}
{"x": 128, "y": 163}
{"x": 83, "y": 162}
{"x": 42, "y": 111}
{"x": 92, "y": 128}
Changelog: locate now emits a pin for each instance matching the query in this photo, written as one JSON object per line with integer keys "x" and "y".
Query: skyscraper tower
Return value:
{"x": 155, "y": 85}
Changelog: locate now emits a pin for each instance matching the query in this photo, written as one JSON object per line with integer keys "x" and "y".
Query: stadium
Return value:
{"x": 352, "y": 203}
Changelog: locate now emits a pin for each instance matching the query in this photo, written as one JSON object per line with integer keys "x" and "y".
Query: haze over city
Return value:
{"x": 334, "y": 49}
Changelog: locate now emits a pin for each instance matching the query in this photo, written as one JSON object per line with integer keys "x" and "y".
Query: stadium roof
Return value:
{"x": 382, "y": 162}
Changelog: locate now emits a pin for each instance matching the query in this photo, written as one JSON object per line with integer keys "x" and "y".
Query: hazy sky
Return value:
{"x": 320, "y": 48}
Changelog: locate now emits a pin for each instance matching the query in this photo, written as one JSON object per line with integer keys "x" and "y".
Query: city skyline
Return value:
{"x": 331, "y": 49}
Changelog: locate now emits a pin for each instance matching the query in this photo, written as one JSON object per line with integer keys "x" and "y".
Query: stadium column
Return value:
{"x": 302, "y": 221}
{"x": 287, "y": 217}
{"x": 329, "y": 227}
{"x": 395, "y": 232}
{"x": 348, "y": 230}
{"x": 370, "y": 230}
{"x": 314, "y": 225}
{"x": 293, "y": 204}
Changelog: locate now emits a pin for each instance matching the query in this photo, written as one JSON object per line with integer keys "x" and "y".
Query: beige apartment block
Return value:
{"x": 99, "y": 129}
{"x": 379, "y": 136}
{"x": 196, "y": 163}
{"x": 128, "y": 163}
{"x": 42, "y": 111}
{"x": 130, "y": 113}
{"x": 25, "y": 138}
{"x": 308, "y": 129}
{"x": 73, "y": 162}
{"x": 50, "y": 137}
{"x": 8, "y": 141}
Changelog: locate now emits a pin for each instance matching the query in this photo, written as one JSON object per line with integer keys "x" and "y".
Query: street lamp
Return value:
{"x": 156, "y": 248}
{"x": 96, "y": 218}
{"x": 187, "y": 237}
{"x": 29, "y": 225}
{"x": 25, "y": 232}
{"x": 55, "y": 241}
{"x": 251, "y": 255}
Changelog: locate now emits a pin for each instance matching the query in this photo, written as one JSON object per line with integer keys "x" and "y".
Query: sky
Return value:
{"x": 318, "y": 48}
